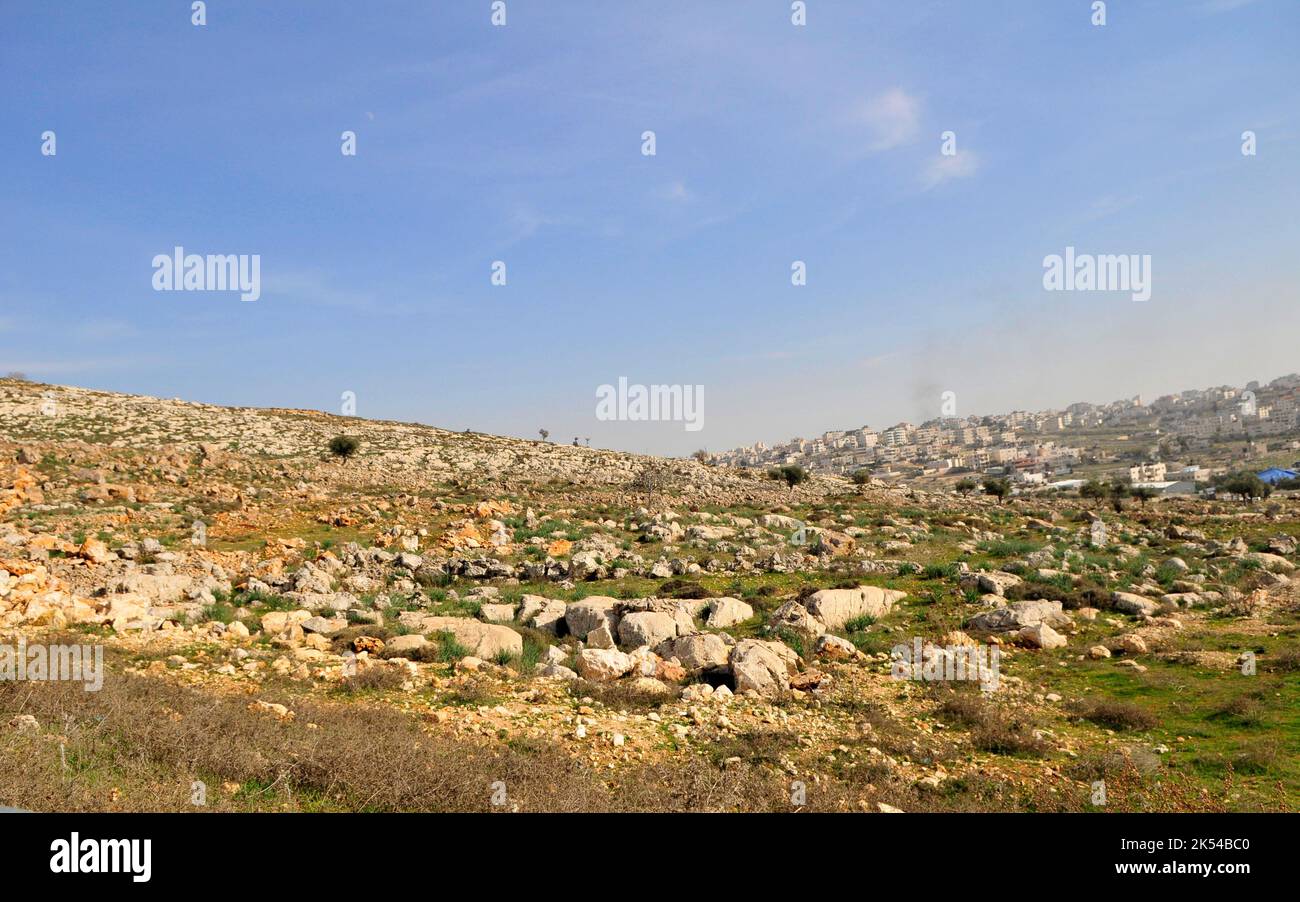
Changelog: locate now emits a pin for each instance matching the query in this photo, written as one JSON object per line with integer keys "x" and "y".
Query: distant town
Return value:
{"x": 1175, "y": 444}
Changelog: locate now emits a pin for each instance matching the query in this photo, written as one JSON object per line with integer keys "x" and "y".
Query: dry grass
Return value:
{"x": 138, "y": 744}
{"x": 992, "y": 727}
{"x": 1115, "y": 714}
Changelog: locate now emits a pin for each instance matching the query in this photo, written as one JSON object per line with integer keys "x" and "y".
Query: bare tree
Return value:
{"x": 651, "y": 481}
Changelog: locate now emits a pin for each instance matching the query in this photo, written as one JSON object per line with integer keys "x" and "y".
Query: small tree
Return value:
{"x": 651, "y": 480}
{"x": 1246, "y": 485}
{"x": 966, "y": 486}
{"x": 1143, "y": 494}
{"x": 703, "y": 457}
{"x": 1118, "y": 491}
{"x": 344, "y": 446}
{"x": 861, "y": 476}
{"x": 544, "y": 433}
{"x": 793, "y": 474}
{"x": 998, "y": 487}
{"x": 1093, "y": 489}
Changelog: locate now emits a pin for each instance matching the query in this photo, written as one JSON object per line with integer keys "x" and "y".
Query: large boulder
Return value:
{"x": 285, "y": 623}
{"x": 327, "y": 626}
{"x": 701, "y": 651}
{"x": 836, "y": 607}
{"x": 1040, "y": 635}
{"x": 1271, "y": 562}
{"x": 497, "y": 613}
{"x": 1128, "y": 603}
{"x": 332, "y": 601}
{"x": 835, "y": 648}
{"x": 780, "y": 523}
{"x": 794, "y": 616}
{"x": 725, "y": 612}
{"x": 762, "y": 667}
{"x": 646, "y": 628}
{"x": 542, "y": 613}
{"x": 996, "y": 583}
{"x": 597, "y": 610}
{"x": 482, "y": 640}
{"x": 835, "y": 544}
{"x": 401, "y": 645}
{"x": 601, "y": 637}
{"x": 158, "y": 588}
{"x": 1018, "y": 615}
{"x": 604, "y": 664}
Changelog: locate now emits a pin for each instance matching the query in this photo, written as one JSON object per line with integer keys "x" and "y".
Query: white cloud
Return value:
{"x": 943, "y": 168}
{"x": 893, "y": 117}
{"x": 526, "y": 221}
{"x": 1108, "y": 206}
{"x": 678, "y": 193}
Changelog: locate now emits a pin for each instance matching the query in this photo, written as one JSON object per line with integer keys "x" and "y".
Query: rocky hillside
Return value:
{"x": 269, "y": 441}
{"x": 609, "y": 631}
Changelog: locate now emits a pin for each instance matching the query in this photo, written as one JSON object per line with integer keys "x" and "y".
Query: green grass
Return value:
{"x": 220, "y": 612}
{"x": 449, "y": 649}
{"x": 1004, "y": 548}
{"x": 1227, "y": 721}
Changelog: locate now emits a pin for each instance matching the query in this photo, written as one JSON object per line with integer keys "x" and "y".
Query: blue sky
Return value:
{"x": 775, "y": 143}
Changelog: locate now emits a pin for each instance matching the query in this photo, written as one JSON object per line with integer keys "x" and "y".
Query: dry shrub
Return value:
{"x": 992, "y": 727}
{"x": 620, "y": 695}
{"x": 1115, "y": 714}
{"x": 376, "y": 678}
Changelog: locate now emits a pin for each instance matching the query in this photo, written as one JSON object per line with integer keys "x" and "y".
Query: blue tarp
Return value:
{"x": 1274, "y": 475}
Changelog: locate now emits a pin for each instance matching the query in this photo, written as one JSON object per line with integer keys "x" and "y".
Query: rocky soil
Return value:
{"x": 626, "y": 612}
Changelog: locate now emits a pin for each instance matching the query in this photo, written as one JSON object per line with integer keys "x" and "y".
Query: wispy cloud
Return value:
{"x": 944, "y": 168}
{"x": 893, "y": 119}
{"x": 320, "y": 289}
{"x": 526, "y": 221}
{"x": 879, "y": 360}
{"x": 1108, "y": 206}
{"x": 677, "y": 192}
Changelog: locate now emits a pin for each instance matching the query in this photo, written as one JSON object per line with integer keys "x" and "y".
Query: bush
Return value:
{"x": 998, "y": 488}
{"x": 344, "y": 446}
{"x": 1115, "y": 714}
{"x": 380, "y": 678}
{"x": 992, "y": 728}
{"x": 792, "y": 474}
{"x": 682, "y": 588}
